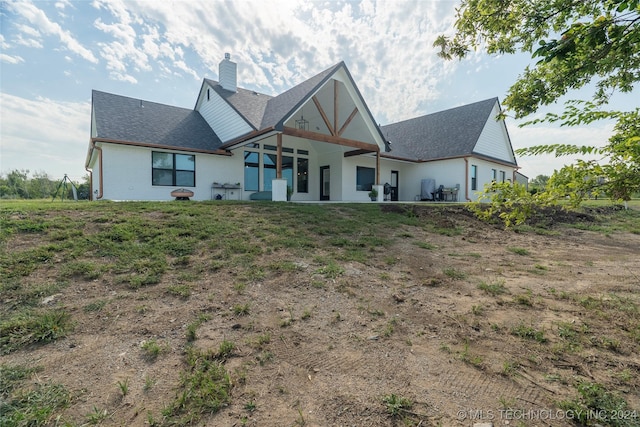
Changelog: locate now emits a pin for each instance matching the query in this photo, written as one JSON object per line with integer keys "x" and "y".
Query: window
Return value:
{"x": 502, "y": 176}
{"x": 303, "y": 175}
{"x": 365, "y": 178}
{"x": 494, "y": 175}
{"x": 251, "y": 171}
{"x": 173, "y": 169}
{"x": 269, "y": 169}
{"x": 474, "y": 177}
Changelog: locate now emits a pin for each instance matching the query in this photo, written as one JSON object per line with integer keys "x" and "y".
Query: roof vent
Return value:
{"x": 227, "y": 74}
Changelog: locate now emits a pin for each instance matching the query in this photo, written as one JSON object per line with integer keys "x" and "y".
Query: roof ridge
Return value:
{"x": 140, "y": 99}
{"x": 217, "y": 83}
{"x": 447, "y": 110}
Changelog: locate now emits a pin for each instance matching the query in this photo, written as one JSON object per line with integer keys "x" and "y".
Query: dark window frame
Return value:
{"x": 474, "y": 177}
{"x": 174, "y": 170}
{"x": 302, "y": 173}
{"x": 365, "y": 178}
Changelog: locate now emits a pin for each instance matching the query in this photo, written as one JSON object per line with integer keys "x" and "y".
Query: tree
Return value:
{"x": 539, "y": 183}
{"x": 40, "y": 185}
{"x": 15, "y": 185}
{"x": 576, "y": 43}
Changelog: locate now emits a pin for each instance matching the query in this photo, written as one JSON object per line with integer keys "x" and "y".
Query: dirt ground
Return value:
{"x": 415, "y": 324}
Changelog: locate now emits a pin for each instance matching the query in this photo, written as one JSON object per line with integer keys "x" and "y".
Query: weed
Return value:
{"x": 12, "y": 376}
{"x": 570, "y": 336}
{"x": 250, "y": 406}
{"x": 263, "y": 340}
{"x": 331, "y": 270}
{"x": 553, "y": 378}
{"x": 182, "y": 291}
{"x": 375, "y": 312}
{"x": 264, "y": 357}
{"x": 625, "y": 376}
{"x": 317, "y": 284}
{"x": 241, "y": 309}
{"x": 95, "y": 306}
{"x": 397, "y": 405}
{"x": 84, "y": 269}
{"x": 519, "y": 251}
{"x": 454, "y": 273}
{"x": 148, "y": 383}
{"x": 150, "y": 420}
{"x": 142, "y": 309}
{"x": 509, "y": 367}
{"x": 606, "y": 343}
{"x": 286, "y": 322}
{"x": 124, "y": 386}
{"x": 32, "y": 407}
{"x": 204, "y": 389}
{"x": 192, "y": 327}
{"x": 524, "y": 299}
{"x": 507, "y": 402}
{"x": 225, "y": 349}
{"x": 426, "y": 245}
{"x": 283, "y": 266}
{"x": 594, "y": 398}
{"x": 391, "y": 260}
{"x": 306, "y": 314}
{"x": 467, "y": 357}
{"x": 528, "y": 332}
{"x": 33, "y": 327}
{"x": 152, "y": 349}
{"x": 97, "y": 416}
{"x": 478, "y": 310}
{"x": 494, "y": 288}
{"x": 389, "y": 327}
{"x": 240, "y": 287}
{"x": 300, "y": 421}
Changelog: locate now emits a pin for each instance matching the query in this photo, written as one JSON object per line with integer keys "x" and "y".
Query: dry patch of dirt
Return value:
{"x": 316, "y": 350}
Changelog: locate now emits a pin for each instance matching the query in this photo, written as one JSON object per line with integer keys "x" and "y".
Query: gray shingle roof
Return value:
{"x": 441, "y": 135}
{"x": 138, "y": 121}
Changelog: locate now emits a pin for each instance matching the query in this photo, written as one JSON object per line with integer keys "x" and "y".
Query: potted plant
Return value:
{"x": 373, "y": 194}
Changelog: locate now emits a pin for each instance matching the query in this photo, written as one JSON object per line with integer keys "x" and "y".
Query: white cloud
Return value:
{"x": 10, "y": 59}
{"x": 62, "y": 4}
{"x": 44, "y": 134}
{"x": 532, "y": 166}
{"x": 387, "y": 45}
{"x": 122, "y": 77}
{"x": 40, "y": 20}
{"x": 28, "y": 42}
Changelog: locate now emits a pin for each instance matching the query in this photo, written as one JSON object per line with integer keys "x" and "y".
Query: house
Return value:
{"x": 316, "y": 141}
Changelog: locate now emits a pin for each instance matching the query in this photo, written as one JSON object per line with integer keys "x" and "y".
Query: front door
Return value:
{"x": 325, "y": 183}
{"x": 394, "y": 186}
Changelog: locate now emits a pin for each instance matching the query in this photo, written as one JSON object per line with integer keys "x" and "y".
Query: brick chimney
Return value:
{"x": 227, "y": 74}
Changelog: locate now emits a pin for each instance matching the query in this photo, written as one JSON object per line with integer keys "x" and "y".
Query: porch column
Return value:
{"x": 378, "y": 167}
{"x": 279, "y": 157}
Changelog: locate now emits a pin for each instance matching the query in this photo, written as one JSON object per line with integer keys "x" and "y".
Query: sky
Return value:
{"x": 53, "y": 53}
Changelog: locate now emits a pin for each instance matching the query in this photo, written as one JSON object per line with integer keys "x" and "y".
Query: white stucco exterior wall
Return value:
{"x": 127, "y": 173}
